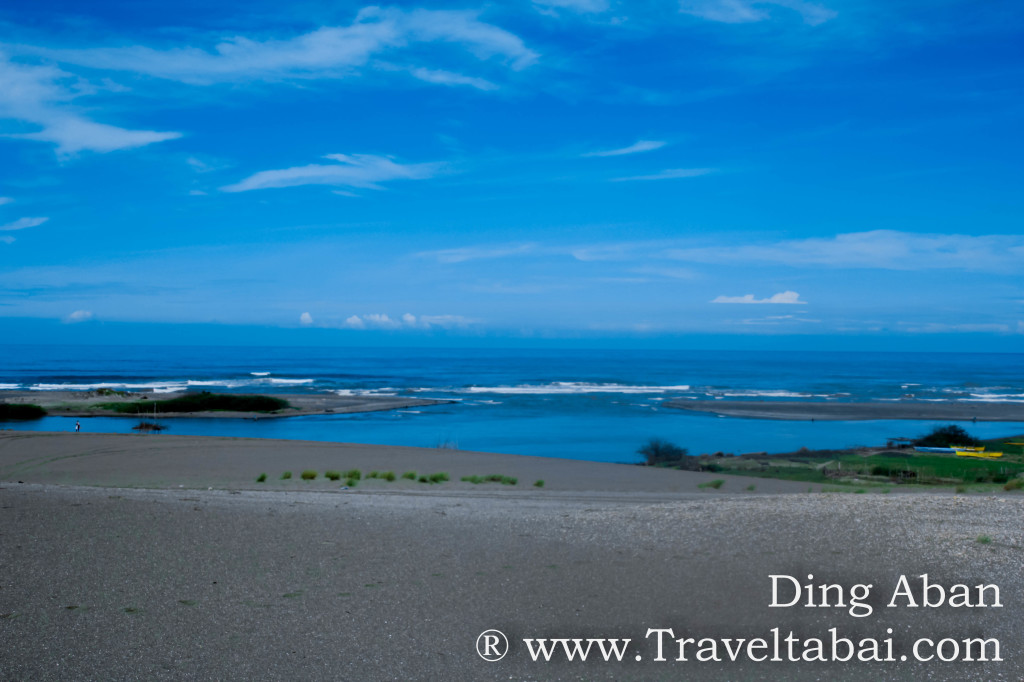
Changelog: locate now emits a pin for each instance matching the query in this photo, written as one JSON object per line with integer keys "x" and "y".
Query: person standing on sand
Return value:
{"x": 78, "y": 426}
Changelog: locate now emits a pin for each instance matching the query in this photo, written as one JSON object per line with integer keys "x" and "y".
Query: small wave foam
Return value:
{"x": 768, "y": 394}
{"x": 365, "y": 391}
{"x": 260, "y": 374}
{"x": 9, "y": 387}
{"x": 155, "y": 387}
{"x": 567, "y": 388}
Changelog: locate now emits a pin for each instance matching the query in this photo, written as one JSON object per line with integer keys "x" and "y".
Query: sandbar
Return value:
{"x": 860, "y": 411}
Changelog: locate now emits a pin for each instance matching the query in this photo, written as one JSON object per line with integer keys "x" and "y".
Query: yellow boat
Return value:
{"x": 969, "y": 448}
{"x": 973, "y": 453}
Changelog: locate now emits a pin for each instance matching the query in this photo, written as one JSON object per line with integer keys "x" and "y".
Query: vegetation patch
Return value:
{"x": 286, "y": 475}
{"x": 716, "y": 484}
{"x": 946, "y": 437}
{"x": 493, "y": 478}
{"x": 411, "y": 475}
{"x": 539, "y": 483}
{"x": 984, "y": 540}
{"x": 332, "y": 475}
{"x": 262, "y": 478}
{"x": 201, "y": 402}
{"x": 353, "y": 473}
{"x": 388, "y": 476}
{"x": 20, "y": 412}
{"x": 658, "y": 452}
{"x": 351, "y": 482}
{"x": 1015, "y": 484}
{"x": 308, "y": 475}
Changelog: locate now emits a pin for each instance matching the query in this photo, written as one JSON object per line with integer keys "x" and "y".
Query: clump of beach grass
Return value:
{"x": 351, "y": 482}
{"x": 388, "y": 476}
{"x": 439, "y": 477}
{"x": 373, "y": 474}
{"x": 492, "y": 478}
{"x": 286, "y": 475}
{"x": 411, "y": 475}
{"x": 332, "y": 475}
{"x": 984, "y": 540}
{"x": 309, "y": 475}
{"x": 353, "y": 473}
{"x": 716, "y": 484}
{"x": 539, "y": 483}
{"x": 1015, "y": 484}
{"x": 751, "y": 487}
{"x": 261, "y": 478}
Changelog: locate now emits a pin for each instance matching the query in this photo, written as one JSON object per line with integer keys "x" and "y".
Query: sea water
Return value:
{"x": 583, "y": 404}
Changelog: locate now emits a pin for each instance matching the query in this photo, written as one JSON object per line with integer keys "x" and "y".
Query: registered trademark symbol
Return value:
{"x": 492, "y": 645}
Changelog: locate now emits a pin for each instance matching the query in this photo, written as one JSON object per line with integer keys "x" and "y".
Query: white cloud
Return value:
{"x": 328, "y": 52}
{"x": 355, "y": 170}
{"x": 669, "y": 174}
{"x": 448, "y": 78}
{"x": 469, "y": 253}
{"x": 582, "y": 6}
{"x": 407, "y": 321}
{"x": 5, "y": 200}
{"x": 22, "y": 223}
{"x": 306, "y": 318}
{"x": 782, "y": 298}
{"x": 882, "y": 249}
{"x": 635, "y": 148}
{"x": 747, "y": 11}
{"x": 79, "y": 316}
{"x": 42, "y": 95}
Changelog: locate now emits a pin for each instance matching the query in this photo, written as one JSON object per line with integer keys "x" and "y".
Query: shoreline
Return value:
{"x": 86, "y": 404}
{"x": 808, "y": 411}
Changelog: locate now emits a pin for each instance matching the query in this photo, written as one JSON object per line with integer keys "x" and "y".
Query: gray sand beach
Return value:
{"x": 159, "y": 557}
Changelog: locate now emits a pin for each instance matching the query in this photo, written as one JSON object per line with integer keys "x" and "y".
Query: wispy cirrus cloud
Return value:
{"x": 881, "y": 249}
{"x": 470, "y": 253}
{"x": 635, "y": 148}
{"x": 747, "y": 11}
{"x": 581, "y": 6}
{"x": 42, "y": 95}
{"x": 327, "y": 52}
{"x": 668, "y": 174}
{"x": 406, "y": 321}
{"x": 365, "y": 171}
{"x": 22, "y": 223}
{"x": 781, "y": 298}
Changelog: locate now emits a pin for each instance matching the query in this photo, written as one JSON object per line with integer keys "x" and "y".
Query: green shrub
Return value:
{"x": 353, "y": 473}
{"x": 19, "y": 412}
{"x": 423, "y": 479}
{"x": 201, "y": 402}
{"x": 716, "y": 484}
{"x": 539, "y": 483}
{"x": 286, "y": 475}
{"x": 947, "y": 436}
{"x": 411, "y": 475}
{"x": 439, "y": 477}
{"x": 308, "y": 475}
{"x": 351, "y": 482}
{"x": 388, "y": 476}
{"x": 373, "y": 474}
{"x": 984, "y": 539}
{"x": 472, "y": 479}
{"x": 261, "y": 478}
{"x": 657, "y": 451}
{"x": 1015, "y": 484}
{"x": 332, "y": 475}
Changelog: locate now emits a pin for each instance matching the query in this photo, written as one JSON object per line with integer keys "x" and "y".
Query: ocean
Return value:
{"x": 598, "y": 405}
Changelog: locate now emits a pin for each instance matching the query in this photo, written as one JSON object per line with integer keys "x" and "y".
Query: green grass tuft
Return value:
{"x": 539, "y": 483}
{"x": 984, "y": 540}
{"x": 716, "y": 484}
{"x": 439, "y": 477}
{"x": 411, "y": 475}
{"x": 286, "y": 475}
{"x": 353, "y": 473}
{"x": 351, "y": 482}
{"x": 332, "y": 475}
{"x": 1015, "y": 484}
{"x": 308, "y": 475}
{"x": 751, "y": 487}
{"x": 388, "y": 476}
{"x": 261, "y": 478}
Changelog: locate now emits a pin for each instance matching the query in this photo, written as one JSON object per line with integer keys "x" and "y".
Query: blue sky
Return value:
{"x": 578, "y": 170}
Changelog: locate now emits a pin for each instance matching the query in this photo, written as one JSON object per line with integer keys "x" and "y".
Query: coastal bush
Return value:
{"x": 308, "y": 475}
{"x": 411, "y": 475}
{"x": 1015, "y": 484}
{"x": 353, "y": 473}
{"x": 201, "y": 402}
{"x": 472, "y": 479}
{"x": 261, "y": 478}
{"x": 332, "y": 475}
{"x": 716, "y": 484}
{"x": 660, "y": 452}
{"x": 984, "y": 540}
{"x": 12, "y": 412}
{"x": 440, "y": 477}
{"x": 286, "y": 475}
{"x": 373, "y": 474}
{"x": 388, "y": 476}
{"x": 423, "y": 479}
{"x": 947, "y": 436}
{"x": 539, "y": 483}
{"x": 351, "y": 482}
